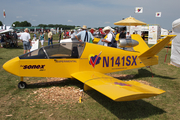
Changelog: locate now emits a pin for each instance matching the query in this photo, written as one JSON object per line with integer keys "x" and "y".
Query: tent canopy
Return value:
{"x": 130, "y": 21}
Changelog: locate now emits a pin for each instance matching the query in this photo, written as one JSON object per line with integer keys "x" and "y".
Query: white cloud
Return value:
{"x": 69, "y": 20}
{"x": 18, "y": 16}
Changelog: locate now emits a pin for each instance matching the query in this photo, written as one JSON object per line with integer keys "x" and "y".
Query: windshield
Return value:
{"x": 63, "y": 50}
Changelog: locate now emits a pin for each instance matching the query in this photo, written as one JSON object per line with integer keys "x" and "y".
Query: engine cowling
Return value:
{"x": 128, "y": 43}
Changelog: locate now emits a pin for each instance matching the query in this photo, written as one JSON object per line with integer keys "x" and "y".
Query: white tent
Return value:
{"x": 175, "y": 48}
{"x": 164, "y": 31}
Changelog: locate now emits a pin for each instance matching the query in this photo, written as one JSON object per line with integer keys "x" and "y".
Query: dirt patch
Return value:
{"x": 59, "y": 95}
{"x": 67, "y": 94}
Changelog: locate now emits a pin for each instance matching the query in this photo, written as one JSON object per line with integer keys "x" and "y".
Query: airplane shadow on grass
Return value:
{"x": 128, "y": 109}
{"x": 145, "y": 73}
{"x": 61, "y": 83}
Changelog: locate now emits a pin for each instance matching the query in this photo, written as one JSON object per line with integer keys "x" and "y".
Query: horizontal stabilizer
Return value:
{"x": 115, "y": 89}
{"x": 157, "y": 47}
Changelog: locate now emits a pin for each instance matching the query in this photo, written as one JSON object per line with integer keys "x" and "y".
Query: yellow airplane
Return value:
{"x": 88, "y": 63}
{"x": 169, "y": 44}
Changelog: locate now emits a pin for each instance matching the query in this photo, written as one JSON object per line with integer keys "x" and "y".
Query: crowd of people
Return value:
{"x": 10, "y": 39}
{"x": 82, "y": 35}
{"x": 85, "y": 35}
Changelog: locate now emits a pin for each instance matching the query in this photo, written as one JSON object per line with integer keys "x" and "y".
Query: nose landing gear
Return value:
{"x": 22, "y": 85}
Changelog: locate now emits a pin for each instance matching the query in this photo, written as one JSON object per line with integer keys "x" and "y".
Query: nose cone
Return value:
{"x": 12, "y": 66}
{"x": 134, "y": 43}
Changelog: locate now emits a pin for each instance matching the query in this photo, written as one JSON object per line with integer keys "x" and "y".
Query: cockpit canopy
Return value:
{"x": 62, "y": 50}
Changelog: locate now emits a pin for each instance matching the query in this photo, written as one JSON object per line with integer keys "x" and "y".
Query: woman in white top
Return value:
{"x": 128, "y": 36}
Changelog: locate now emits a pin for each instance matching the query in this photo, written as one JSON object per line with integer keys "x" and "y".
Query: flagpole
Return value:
{"x": 4, "y": 15}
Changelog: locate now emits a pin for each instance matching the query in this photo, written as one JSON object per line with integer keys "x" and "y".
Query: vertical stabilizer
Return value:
{"x": 142, "y": 47}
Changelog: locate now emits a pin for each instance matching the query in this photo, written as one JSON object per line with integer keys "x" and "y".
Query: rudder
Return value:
{"x": 142, "y": 47}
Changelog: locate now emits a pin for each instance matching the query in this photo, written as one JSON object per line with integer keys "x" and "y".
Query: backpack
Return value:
{"x": 113, "y": 42}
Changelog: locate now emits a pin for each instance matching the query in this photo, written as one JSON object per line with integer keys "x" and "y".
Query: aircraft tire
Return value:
{"x": 22, "y": 85}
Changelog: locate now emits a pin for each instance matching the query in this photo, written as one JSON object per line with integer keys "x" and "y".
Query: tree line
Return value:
{"x": 27, "y": 24}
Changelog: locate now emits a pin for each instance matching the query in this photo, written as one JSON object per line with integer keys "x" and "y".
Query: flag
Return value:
{"x": 158, "y": 14}
{"x": 139, "y": 10}
{"x": 4, "y": 14}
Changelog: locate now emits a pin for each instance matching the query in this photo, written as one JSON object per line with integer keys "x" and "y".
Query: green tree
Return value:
{"x": 42, "y": 25}
{"x": 25, "y": 24}
{"x": 17, "y": 24}
{"x": 22, "y": 24}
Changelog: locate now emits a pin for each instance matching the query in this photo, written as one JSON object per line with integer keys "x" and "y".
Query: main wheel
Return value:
{"x": 22, "y": 85}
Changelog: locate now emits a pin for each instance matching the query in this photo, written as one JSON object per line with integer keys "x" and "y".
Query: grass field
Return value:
{"x": 23, "y": 104}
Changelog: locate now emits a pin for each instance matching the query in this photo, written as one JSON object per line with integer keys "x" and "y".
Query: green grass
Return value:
{"x": 18, "y": 104}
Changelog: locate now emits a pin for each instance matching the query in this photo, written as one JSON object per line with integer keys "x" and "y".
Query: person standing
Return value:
{"x": 35, "y": 36}
{"x": 122, "y": 35}
{"x": 44, "y": 32}
{"x": 128, "y": 36}
{"x": 15, "y": 38}
{"x": 26, "y": 39}
{"x": 72, "y": 35}
{"x": 50, "y": 37}
{"x": 41, "y": 38}
{"x": 85, "y": 35}
{"x": 110, "y": 40}
{"x": 67, "y": 34}
{"x": 59, "y": 36}
{"x": 62, "y": 35}
{"x": 2, "y": 41}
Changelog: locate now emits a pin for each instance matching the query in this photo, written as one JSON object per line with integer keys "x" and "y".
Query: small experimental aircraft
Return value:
{"x": 10, "y": 40}
{"x": 88, "y": 63}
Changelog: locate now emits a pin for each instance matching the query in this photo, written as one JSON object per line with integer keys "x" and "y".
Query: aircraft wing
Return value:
{"x": 116, "y": 89}
{"x": 6, "y": 31}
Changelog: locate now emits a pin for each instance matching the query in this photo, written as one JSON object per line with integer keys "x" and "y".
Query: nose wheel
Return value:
{"x": 22, "y": 85}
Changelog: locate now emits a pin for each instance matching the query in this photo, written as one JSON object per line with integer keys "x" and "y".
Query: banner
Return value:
{"x": 4, "y": 14}
{"x": 34, "y": 45}
{"x": 158, "y": 14}
{"x": 139, "y": 10}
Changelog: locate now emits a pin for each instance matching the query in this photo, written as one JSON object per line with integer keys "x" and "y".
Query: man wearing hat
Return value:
{"x": 85, "y": 35}
{"x": 110, "y": 40}
{"x": 72, "y": 34}
{"x": 26, "y": 39}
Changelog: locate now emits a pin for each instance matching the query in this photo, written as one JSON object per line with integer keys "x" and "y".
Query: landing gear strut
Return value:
{"x": 22, "y": 85}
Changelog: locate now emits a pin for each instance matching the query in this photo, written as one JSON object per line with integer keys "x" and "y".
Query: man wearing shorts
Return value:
{"x": 26, "y": 39}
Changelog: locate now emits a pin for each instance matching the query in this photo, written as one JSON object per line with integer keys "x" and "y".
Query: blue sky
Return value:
{"x": 93, "y": 13}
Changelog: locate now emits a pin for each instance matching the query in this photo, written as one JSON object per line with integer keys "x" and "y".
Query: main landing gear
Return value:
{"x": 22, "y": 85}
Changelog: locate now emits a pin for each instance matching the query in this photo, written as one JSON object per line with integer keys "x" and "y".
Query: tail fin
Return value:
{"x": 142, "y": 47}
{"x": 157, "y": 47}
